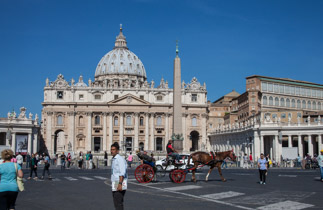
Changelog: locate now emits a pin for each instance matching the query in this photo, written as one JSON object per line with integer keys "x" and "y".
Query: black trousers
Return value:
{"x": 262, "y": 174}
{"x": 46, "y": 168}
{"x": 32, "y": 169}
{"x": 118, "y": 199}
{"x": 8, "y": 200}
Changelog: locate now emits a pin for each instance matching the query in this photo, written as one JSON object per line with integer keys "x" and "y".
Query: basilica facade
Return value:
{"x": 120, "y": 105}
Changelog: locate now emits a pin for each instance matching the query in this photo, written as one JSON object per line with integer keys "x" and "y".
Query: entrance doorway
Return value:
{"x": 159, "y": 144}
{"x": 97, "y": 144}
{"x": 128, "y": 144}
{"x": 59, "y": 141}
{"x": 194, "y": 136}
{"x": 141, "y": 146}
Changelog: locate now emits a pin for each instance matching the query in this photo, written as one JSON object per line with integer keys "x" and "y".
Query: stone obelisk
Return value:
{"x": 177, "y": 104}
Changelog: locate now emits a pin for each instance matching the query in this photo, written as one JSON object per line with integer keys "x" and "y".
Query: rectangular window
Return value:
{"x": 270, "y": 87}
{"x": 264, "y": 86}
{"x": 313, "y": 92}
{"x": 287, "y": 89}
{"x": 115, "y": 131}
{"x": 308, "y": 92}
{"x": 141, "y": 131}
{"x": 159, "y": 98}
{"x": 283, "y": 115}
{"x": 292, "y": 90}
{"x": 97, "y": 97}
{"x": 60, "y": 94}
{"x": 276, "y": 88}
{"x": 116, "y": 97}
{"x": 142, "y": 97}
{"x": 194, "y": 97}
{"x": 81, "y": 96}
{"x": 281, "y": 88}
{"x": 297, "y": 90}
{"x": 318, "y": 93}
{"x": 303, "y": 91}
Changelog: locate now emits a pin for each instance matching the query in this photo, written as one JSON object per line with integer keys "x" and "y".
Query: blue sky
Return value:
{"x": 221, "y": 42}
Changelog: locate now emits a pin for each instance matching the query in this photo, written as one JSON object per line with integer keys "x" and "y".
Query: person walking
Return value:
{"x": 129, "y": 159}
{"x": 119, "y": 177}
{"x": 245, "y": 161}
{"x": 63, "y": 158}
{"x": 68, "y": 158}
{"x": 90, "y": 160}
{"x": 105, "y": 158}
{"x": 251, "y": 160}
{"x": 262, "y": 166}
{"x": 8, "y": 185}
{"x": 80, "y": 161}
{"x": 28, "y": 160}
{"x": 299, "y": 161}
{"x": 20, "y": 159}
{"x": 224, "y": 163}
{"x": 33, "y": 167}
{"x": 87, "y": 160}
{"x": 46, "y": 167}
{"x": 320, "y": 162}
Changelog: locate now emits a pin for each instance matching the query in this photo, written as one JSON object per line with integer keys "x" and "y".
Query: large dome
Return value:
{"x": 120, "y": 61}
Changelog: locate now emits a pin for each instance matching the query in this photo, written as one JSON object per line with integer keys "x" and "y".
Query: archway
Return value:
{"x": 59, "y": 141}
{"x": 194, "y": 136}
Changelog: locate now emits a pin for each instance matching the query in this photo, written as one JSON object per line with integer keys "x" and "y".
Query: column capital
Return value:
{"x": 136, "y": 114}
{"x": 71, "y": 113}
{"x": 184, "y": 114}
{"x": 105, "y": 114}
{"x": 50, "y": 113}
{"x": 121, "y": 114}
{"x": 204, "y": 115}
{"x": 88, "y": 114}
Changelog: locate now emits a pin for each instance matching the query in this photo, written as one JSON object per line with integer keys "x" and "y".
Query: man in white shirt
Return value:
{"x": 20, "y": 159}
{"x": 119, "y": 177}
{"x": 320, "y": 162}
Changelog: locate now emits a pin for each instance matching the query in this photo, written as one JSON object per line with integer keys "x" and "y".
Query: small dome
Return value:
{"x": 80, "y": 82}
{"x": 120, "y": 60}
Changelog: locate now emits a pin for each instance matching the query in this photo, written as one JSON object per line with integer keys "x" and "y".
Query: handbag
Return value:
{"x": 20, "y": 182}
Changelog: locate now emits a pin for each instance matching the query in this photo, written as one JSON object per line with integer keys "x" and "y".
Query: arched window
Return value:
{"x": 116, "y": 121}
{"x": 81, "y": 120}
{"x": 194, "y": 121}
{"x": 271, "y": 102}
{"x": 299, "y": 104}
{"x": 282, "y": 102}
{"x": 264, "y": 100}
{"x": 159, "y": 120}
{"x": 309, "y": 105}
{"x": 293, "y": 103}
{"x": 319, "y": 105}
{"x": 304, "y": 104}
{"x": 314, "y": 105}
{"x": 141, "y": 121}
{"x": 59, "y": 120}
{"x": 97, "y": 120}
{"x": 276, "y": 101}
{"x": 287, "y": 102}
{"x": 128, "y": 120}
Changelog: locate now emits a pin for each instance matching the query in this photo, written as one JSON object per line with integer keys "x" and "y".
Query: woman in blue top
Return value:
{"x": 262, "y": 165}
{"x": 8, "y": 184}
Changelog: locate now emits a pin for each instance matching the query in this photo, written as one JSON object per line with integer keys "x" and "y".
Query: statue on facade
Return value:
{"x": 22, "y": 114}
{"x": 47, "y": 82}
{"x": 69, "y": 146}
{"x": 166, "y": 84}
{"x": 146, "y": 84}
{"x": 137, "y": 83}
{"x": 72, "y": 82}
{"x": 90, "y": 83}
{"x": 30, "y": 115}
{"x": 36, "y": 117}
{"x": 9, "y": 115}
{"x": 183, "y": 85}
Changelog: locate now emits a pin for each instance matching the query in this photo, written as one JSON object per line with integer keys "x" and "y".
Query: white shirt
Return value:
{"x": 119, "y": 168}
{"x": 20, "y": 159}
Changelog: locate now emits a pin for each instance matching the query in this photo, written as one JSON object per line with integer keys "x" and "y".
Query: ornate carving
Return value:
{"x": 49, "y": 113}
{"x": 22, "y": 114}
{"x": 60, "y": 82}
{"x": 88, "y": 113}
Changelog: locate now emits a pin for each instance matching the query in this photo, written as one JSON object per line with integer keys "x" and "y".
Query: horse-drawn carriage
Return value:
{"x": 147, "y": 171}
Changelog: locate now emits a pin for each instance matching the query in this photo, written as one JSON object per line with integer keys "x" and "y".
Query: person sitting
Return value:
{"x": 171, "y": 151}
{"x": 146, "y": 159}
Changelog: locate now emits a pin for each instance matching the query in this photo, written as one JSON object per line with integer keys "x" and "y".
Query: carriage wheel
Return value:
{"x": 144, "y": 173}
{"x": 160, "y": 172}
{"x": 178, "y": 176}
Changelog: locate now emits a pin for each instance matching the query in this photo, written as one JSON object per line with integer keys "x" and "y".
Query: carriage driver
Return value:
{"x": 171, "y": 151}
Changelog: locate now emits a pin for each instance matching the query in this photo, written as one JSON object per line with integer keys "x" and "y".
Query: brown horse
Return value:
{"x": 210, "y": 160}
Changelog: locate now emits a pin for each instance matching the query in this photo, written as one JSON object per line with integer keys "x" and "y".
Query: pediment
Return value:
{"x": 129, "y": 99}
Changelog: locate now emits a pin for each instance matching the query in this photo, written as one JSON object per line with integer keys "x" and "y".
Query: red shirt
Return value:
{"x": 250, "y": 157}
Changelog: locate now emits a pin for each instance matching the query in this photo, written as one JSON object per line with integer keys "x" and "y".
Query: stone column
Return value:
{"x": 49, "y": 141}
{"x": 152, "y": 132}
{"x": 35, "y": 144}
{"x": 256, "y": 146}
{"x": 146, "y": 131}
{"x": 88, "y": 144}
{"x": 290, "y": 143}
{"x": 320, "y": 143}
{"x": 310, "y": 145}
{"x": 105, "y": 131}
{"x": 204, "y": 135}
{"x": 275, "y": 147}
{"x": 262, "y": 144}
{"x": 300, "y": 145}
{"x": 13, "y": 142}
{"x": 30, "y": 143}
{"x": 121, "y": 129}
{"x": 136, "y": 143}
{"x": 110, "y": 131}
{"x": 166, "y": 127}
{"x": 71, "y": 126}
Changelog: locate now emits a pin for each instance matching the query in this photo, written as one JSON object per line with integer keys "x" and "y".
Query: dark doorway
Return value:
{"x": 58, "y": 134}
{"x": 3, "y": 138}
{"x": 97, "y": 144}
{"x": 128, "y": 144}
{"x": 159, "y": 144}
{"x": 141, "y": 146}
{"x": 194, "y": 136}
